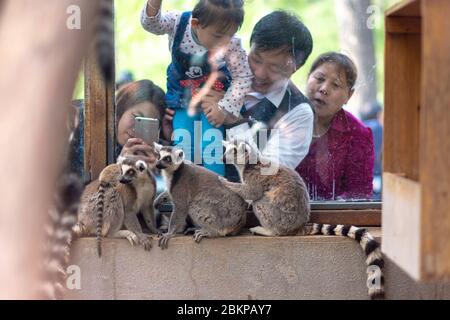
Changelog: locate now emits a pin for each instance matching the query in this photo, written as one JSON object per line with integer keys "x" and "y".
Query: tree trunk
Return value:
{"x": 39, "y": 62}
{"x": 356, "y": 37}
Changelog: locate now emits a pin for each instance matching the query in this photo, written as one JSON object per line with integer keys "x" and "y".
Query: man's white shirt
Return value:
{"x": 290, "y": 137}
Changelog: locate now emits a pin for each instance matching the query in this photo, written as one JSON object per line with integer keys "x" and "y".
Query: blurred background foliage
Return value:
{"x": 147, "y": 56}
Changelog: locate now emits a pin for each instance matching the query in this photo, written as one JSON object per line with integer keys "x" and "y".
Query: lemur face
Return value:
{"x": 133, "y": 170}
{"x": 169, "y": 158}
{"x": 237, "y": 152}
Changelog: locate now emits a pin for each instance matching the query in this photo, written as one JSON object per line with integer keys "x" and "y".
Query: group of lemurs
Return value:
{"x": 108, "y": 207}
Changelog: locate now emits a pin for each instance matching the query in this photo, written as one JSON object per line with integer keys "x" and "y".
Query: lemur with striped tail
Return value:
{"x": 196, "y": 191}
{"x": 104, "y": 39}
{"x": 113, "y": 202}
{"x": 56, "y": 250}
{"x": 279, "y": 197}
{"x": 62, "y": 216}
{"x": 281, "y": 203}
{"x": 374, "y": 260}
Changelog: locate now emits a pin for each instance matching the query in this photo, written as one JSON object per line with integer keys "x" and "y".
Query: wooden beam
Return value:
{"x": 401, "y": 222}
{"x": 403, "y": 25}
{"x": 347, "y": 217}
{"x": 406, "y": 8}
{"x": 402, "y": 104}
{"x": 417, "y": 127}
{"x": 99, "y": 133}
{"x": 435, "y": 140}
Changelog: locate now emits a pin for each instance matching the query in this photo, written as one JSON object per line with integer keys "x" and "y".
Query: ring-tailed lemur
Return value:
{"x": 196, "y": 191}
{"x": 113, "y": 202}
{"x": 372, "y": 250}
{"x": 62, "y": 216}
{"x": 279, "y": 197}
{"x": 56, "y": 250}
{"x": 104, "y": 38}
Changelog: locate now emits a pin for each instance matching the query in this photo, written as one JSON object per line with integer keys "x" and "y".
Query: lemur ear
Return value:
{"x": 248, "y": 149}
{"x": 141, "y": 165}
{"x": 157, "y": 146}
{"x": 242, "y": 147}
{"x": 120, "y": 159}
{"x": 179, "y": 156}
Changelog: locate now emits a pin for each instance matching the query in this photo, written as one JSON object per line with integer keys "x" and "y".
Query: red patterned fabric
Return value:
{"x": 339, "y": 164}
{"x": 194, "y": 84}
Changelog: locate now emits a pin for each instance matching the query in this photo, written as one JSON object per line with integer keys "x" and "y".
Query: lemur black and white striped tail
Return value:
{"x": 374, "y": 261}
{"x": 104, "y": 39}
{"x": 100, "y": 207}
{"x": 62, "y": 217}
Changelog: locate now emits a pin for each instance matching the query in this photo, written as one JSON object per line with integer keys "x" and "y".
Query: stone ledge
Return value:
{"x": 242, "y": 267}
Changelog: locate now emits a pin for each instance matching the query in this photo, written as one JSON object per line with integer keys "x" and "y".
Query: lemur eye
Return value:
{"x": 130, "y": 172}
{"x": 168, "y": 159}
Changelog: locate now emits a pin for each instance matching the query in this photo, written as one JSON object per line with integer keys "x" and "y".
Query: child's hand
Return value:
{"x": 214, "y": 114}
{"x": 167, "y": 127}
{"x": 209, "y": 104}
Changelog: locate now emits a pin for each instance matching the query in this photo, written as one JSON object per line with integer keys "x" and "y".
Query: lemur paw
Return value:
{"x": 78, "y": 230}
{"x": 222, "y": 179}
{"x": 132, "y": 238}
{"x": 163, "y": 241}
{"x": 199, "y": 235}
{"x": 145, "y": 241}
{"x": 190, "y": 230}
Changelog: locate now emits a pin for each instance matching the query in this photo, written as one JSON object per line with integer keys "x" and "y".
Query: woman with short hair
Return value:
{"x": 339, "y": 164}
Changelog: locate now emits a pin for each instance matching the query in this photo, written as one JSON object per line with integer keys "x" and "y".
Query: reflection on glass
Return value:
{"x": 141, "y": 55}
{"x": 339, "y": 165}
{"x": 137, "y": 99}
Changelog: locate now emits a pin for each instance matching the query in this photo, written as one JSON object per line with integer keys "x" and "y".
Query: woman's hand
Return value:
{"x": 137, "y": 147}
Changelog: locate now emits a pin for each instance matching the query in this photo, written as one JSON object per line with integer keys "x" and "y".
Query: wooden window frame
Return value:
{"x": 99, "y": 117}
{"x": 416, "y": 178}
{"x": 99, "y": 137}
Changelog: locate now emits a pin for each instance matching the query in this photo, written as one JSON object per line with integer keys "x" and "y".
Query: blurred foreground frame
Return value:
{"x": 39, "y": 61}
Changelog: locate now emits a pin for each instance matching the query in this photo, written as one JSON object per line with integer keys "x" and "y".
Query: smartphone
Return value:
{"x": 146, "y": 129}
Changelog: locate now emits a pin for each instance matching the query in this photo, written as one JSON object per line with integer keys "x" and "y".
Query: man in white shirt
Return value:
{"x": 280, "y": 45}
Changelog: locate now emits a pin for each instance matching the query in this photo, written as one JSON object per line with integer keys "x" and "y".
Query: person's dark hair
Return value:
{"x": 124, "y": 78}
{"x": 343, "y": 62}
{"x": 285, "y": 31}
{"x": 138, "y": 92}
{"x": 221, "y": 13}
{"x": 370, "y": 110}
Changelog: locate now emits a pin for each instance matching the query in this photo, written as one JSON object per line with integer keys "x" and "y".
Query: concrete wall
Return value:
{"x": 243, "y": 267}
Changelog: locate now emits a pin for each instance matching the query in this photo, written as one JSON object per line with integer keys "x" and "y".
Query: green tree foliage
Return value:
{"x": 147, "y": 55}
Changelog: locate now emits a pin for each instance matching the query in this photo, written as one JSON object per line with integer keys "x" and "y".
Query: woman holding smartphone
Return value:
{"x": 137, "y": 99}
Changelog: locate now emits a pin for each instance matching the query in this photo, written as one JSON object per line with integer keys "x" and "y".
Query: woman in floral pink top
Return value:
{"x": 339, "y": 164}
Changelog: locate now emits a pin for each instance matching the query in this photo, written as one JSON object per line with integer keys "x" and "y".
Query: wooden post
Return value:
{"x": 99, "y": 133}
{"x": 39, "y": 61}
{"x": 416, "y": 179}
